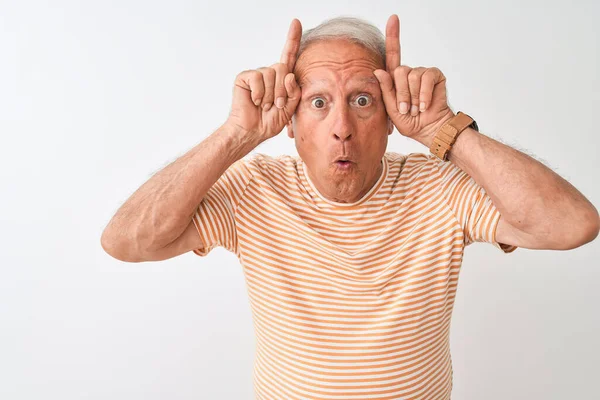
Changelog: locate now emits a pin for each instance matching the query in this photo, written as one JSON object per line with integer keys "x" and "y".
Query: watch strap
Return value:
{"x": 446, "y": 136}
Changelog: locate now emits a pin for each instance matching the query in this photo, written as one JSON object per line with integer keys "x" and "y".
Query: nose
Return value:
{"x": 343, "y": 127}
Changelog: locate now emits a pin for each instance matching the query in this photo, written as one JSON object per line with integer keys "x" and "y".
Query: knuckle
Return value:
{"x": 280, "y": 86}
{"x": 414, "y": 78}
{"x": 244, "y": 73}
{"x": 269, "y": 80}
{"x": 268, "y": 94}
{"x": 402, "y": 93}
{"x": 269, "y": 90}
{"x": 268, "y": 73}
{"x": 429, "y": 73}
{"x": 259, "y": 87}
{"x": 402, "y": 70}
{"x": 281, "y": 68}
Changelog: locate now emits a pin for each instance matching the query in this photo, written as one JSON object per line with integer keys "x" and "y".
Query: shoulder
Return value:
{"x": 266, "y": 165}
{"x": 412, "y": 163}
{"x": 410, "y": 158}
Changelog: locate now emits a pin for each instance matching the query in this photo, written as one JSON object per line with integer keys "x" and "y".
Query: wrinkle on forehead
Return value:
{"x": 340, "y": 58}
{"x": 362, "y": 80}
{"x": 348, "y": 70}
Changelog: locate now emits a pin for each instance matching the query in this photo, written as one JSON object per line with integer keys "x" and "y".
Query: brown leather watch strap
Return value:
{"x": 446, "y": 136}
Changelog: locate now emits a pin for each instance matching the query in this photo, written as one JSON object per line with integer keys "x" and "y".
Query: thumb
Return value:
{"x": 293, "y": 92}
{"x": 387, "y": 91}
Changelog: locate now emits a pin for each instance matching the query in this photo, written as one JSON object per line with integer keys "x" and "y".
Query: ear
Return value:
{"x": 390, "y": 126}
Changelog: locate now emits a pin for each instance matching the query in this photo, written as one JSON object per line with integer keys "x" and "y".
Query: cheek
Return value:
{"x": 380, "y": 115}
{"x": 306, "y": 127}
{"x": 373, "y": 121}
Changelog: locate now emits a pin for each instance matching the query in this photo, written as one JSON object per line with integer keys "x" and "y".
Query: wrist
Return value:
{"x": 240, "y": 140}
{"x": 426, "y": 138}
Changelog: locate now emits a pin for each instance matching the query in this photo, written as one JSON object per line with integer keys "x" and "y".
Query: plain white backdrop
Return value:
{"x": 95, "y": 97}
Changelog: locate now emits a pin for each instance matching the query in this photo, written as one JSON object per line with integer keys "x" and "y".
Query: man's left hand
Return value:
{"x": 415, "y": 98}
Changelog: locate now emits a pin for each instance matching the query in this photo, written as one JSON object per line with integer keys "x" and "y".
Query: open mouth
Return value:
{"x": 344, "y": 164}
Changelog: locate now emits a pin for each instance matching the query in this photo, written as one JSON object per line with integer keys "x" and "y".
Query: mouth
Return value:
{"x": 343, "y": 159}
{"x": 343, "y": 164}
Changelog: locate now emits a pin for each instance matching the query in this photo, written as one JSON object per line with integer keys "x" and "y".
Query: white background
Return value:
{"x": 95, "y": 97}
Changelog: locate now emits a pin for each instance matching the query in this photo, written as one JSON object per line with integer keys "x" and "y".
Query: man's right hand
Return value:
{"x": 254, "y": 107}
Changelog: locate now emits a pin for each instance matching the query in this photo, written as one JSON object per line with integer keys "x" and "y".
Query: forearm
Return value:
{"x": 159, "y": 211}
{"x": 530, "y": 196}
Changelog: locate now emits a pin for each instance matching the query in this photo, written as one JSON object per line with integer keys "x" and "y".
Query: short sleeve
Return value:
{"x": 471, "y": 205}
{"x": 215, "y": 216}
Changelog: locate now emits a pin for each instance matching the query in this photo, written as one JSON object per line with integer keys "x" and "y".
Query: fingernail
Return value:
{"x": 403, "y": 107}
{"x": 279, "y": 102}
{"x": 414, "y": 110}
{"x": 266, "y": 106}
{"x": 422, "y": 106}
{"x": 257, "y": 102}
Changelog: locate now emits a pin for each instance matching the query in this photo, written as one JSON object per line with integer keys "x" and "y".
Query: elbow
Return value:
{"x": 119, "y": 249}
{"x": 593, "y": 225}
{"x": 586, "y": 231}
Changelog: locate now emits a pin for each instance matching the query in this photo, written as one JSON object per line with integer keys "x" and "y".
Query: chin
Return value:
{"x": 346, "y": 188}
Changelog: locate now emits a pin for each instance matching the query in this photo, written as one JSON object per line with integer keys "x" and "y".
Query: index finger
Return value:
{"x": 392, "y": 43}
{"x": 292, "y": 45}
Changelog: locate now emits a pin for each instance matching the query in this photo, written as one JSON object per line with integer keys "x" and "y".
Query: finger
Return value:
{"x": 402, "y": 89}
{"x": 430, "y": 78}
{"x": 387, "y": 92}
{"x": 292, "y": 45}
{"x": 293, "y": 92}
{"x": 251, "y": 81}
{"x": 279, "y": 92}
{"x": 268, "y": 76}
{"x": 414, "y": 85}
{"x": 392, "y": 43}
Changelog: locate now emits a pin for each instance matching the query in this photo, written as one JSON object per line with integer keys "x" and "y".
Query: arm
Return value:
{"x": 159, "y": 211}
{"x": 539, "y": 209}
{"x": 156, "y": 222}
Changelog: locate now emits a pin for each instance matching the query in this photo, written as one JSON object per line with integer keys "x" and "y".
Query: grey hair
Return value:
{"x": 353, "y": 29}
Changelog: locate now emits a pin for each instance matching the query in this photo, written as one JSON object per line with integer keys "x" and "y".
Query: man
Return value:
{"x": 351, "y": 254}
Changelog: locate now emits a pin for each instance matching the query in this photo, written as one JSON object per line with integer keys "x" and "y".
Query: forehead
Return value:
{"x": 358, "y": 81}
{"x": 336, "y": 62}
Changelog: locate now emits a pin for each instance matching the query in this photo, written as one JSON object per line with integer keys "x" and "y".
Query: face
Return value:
{"x": 341, "y": 113}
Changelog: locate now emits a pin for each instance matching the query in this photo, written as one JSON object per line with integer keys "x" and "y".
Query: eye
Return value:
{"x": 318, "y": 102}
{"x": 363, "y": 100}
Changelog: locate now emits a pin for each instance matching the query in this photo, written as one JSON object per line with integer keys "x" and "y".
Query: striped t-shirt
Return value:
{"x": 349, "y": 300}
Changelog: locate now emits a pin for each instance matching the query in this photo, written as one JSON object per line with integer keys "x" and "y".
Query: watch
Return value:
{"x": 446, "y": 136}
